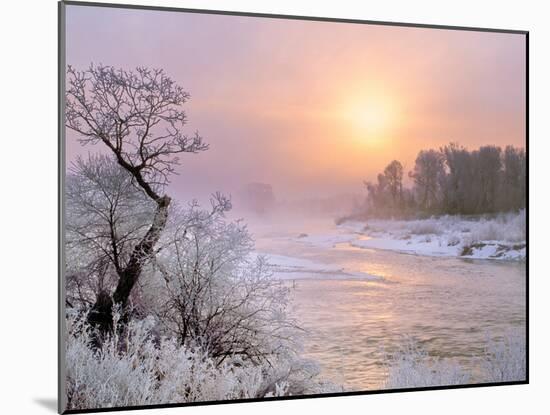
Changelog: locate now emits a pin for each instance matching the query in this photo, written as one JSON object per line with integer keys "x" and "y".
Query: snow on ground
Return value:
{"x": 292, "y": 268}
{"x": 324, "y": 240}
{"x": 419, "y": 246}
{"x": 501, "y": 237}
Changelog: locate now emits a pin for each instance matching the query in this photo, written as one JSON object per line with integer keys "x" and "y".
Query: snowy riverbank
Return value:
{"x": 293, "y": 268}
{"x": 502, "y": 237}
{"x": 498, "y": 238}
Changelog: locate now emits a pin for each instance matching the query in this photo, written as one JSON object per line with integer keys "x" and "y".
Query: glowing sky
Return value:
{"x": 313, "y": 108}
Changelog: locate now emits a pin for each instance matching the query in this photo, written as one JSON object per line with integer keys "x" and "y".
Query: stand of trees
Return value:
{"x": 165, "y": 303}
{"x": 137, "y": 117}
{"x": 453, "y": 180}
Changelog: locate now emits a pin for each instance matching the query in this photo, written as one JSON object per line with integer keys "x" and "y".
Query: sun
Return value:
{"x": 369, "y": 117}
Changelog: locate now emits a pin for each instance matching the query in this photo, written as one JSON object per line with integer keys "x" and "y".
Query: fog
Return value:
{"x": 310, "y": 108}
{"x": 381, "y": 175}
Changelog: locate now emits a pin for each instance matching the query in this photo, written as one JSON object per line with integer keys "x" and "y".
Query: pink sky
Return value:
{"x": 312, "y": 108}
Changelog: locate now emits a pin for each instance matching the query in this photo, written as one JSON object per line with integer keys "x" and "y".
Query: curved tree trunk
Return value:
{"x": 141, "y": 253}
{"x": 100, "y": 316}
{"x": 135, "y": 104}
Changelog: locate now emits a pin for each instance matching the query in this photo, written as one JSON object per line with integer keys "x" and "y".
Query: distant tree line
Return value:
{"x": 452, "y": 180}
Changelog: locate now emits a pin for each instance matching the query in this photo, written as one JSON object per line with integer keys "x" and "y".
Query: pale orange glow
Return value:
{"x": 313, "y": 108}
{"x": 371, "y": 117}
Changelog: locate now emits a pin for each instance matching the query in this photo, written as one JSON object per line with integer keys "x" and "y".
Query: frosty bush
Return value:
{"x": 504, "y": 227}
{"x": 499, "y": 236}
{"x": 425, "y": 227}
{"x": 413, "y": 367}
{"x": 209, "y": 292}
{"x": 509, "y": 227}
{"x": 105, "y": 216}
{"x": 486, "y": 231}
{"x": 212, "y": 326}
{"x": 138, "y": 368}
{"x": 502, "y": 361}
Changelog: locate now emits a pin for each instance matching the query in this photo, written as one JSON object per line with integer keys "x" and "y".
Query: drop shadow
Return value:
{"x": 48, "y": 403}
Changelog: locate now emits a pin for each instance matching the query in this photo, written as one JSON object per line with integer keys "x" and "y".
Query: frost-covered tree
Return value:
{"x": 137, "y": 116}
{"x": 488, "y": 172}
{"x": 453, "y": 180}
{"x": 385, "y": 197}
{"x": 106, "y": 216}
{"x": 215, "y": 294}
{"x": 394, "y": 178}
{"x": 459, "y": 180}
{"x": 514, "y": 179}
{"x": 377, "y": 199}
{"x": 472, "y": 182}
{"x": 428, "y": 176}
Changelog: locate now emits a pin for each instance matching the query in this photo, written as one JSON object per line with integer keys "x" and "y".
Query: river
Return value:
{"x": 449, "y": 306}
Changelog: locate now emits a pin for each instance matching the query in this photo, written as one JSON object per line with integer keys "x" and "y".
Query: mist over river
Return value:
{"x": 358, "y": 306}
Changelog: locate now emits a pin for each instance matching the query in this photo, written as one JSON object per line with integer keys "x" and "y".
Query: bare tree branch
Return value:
{"x": 137, "y": 115}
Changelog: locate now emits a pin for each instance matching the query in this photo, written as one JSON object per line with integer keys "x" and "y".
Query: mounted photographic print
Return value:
{"x": 258, "y": 207}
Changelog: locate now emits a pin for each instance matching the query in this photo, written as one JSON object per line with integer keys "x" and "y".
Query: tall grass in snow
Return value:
{"x": 139, "y": 368}
{"x": 502, "y": 236}
{"x": 412, "y": 367}
{"x": 507, "y": 227}
{"x": 503, "y": 361}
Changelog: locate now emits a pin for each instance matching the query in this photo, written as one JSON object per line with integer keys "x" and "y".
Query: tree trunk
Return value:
{"x": 131, "y": 272}
{"x": 141, "y": 253}
{"x": 101, "y": 317}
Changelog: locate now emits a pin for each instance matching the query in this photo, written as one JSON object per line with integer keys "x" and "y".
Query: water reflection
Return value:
{"x": 448, "y": 305}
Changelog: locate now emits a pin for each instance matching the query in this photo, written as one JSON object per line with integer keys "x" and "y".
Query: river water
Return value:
{"x": 449, "y": 306}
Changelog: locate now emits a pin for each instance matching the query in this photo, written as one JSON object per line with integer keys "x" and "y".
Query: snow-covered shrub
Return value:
{"x": 145, "y": 373}
{"x": 212, "y": 325}
{"x": 498, "y": 237}
{"x": 105, "y": 216}
{"x": 412, "y": 367}
{"x": 486, "y": 231}
{"x": 505, "y": 360}
{"x": 425, "y": 227}
{"x": 511, "y": 227}
{"x": 502, "y": 361}
{"x": 138, "y": 368}
{"x": 106, "y": 377}
{"x": 299, "y": 376}
{"x": 208, "y": 291}
{"x": 516, "y": 226}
